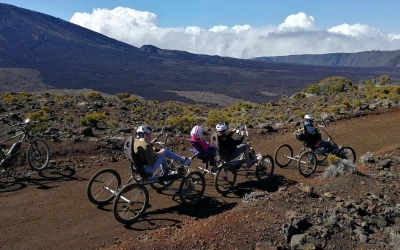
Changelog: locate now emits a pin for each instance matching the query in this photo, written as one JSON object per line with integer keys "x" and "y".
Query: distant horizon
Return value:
{"x": 246, "y": 29}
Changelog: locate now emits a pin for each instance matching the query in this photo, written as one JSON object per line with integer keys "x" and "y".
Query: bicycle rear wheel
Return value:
{"x": 103, "y": 186}
{"x": 265, "y": 168}
{"x": 307, "y": 163}
{"x": 131, "y": 203}
{"x": 38, "y": 155}
{"x": 283, "y": 155}
{"x": 192, "y": 188}
{"x": 225, "y": 179}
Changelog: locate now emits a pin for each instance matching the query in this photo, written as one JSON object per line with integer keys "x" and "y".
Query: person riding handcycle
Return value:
{"x": 230, "y": 148}
{"x": 313, "y": 138}
{"x": 143, "y": 147}
{"x": 202, "y": 149}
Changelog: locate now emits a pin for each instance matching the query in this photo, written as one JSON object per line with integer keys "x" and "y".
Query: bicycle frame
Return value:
{"x": 23, "y": 134}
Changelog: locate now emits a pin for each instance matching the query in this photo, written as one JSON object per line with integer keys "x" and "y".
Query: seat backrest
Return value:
{"x": 136, "y": 163}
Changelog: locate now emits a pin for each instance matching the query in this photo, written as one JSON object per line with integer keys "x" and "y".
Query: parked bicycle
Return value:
{"x": 131, "y": 199}
{"x": 38, "y": 152}
{"x": 226, "y": 174}
{"x": 307, "y": 159}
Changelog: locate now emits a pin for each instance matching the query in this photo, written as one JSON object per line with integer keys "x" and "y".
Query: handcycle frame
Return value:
{"x": 33, "y": 150}
{"x": 231, "y": 167}
{"x": 308, "y": 158}
{"x": 124, "y": 205}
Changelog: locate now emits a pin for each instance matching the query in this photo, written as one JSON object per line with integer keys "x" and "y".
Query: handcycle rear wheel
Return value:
{"x": 225, "y": 179}
{"x": 192, "y": 188}
{"x": 282, "y": 154}
{"x": 131, "y": 203}
{"x": 265, "y": 168}
{"x": 103, "y": 186}
{"x": 347, "y": 153}
{"x": 307, "y": 163}
{"x": 38, "y": 155}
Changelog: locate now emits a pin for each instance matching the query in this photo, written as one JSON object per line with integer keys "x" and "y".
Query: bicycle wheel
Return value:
{"x": 265, "y": 168}
{"x": 321, "y": 157}
{"x": 38, "y": 155}
{"x": 192, "y": 188}
{"x": 131, "y": 203}
{"x": 307, "y": 163}
{"x": 161, "y": 185}
{"x": 225, "y": 179}
{"x": 282, "y": 154}
{"x": 347, "y": 153}
{"x": 103, "y": 186}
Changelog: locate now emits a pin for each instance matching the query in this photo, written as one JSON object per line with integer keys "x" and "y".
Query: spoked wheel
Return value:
{"x": 307, "y": 163}
{"x": 347, "y": 153}
{"x": 265, "y": 168}
{"x": 321, "y": 157}
{"x": 192, "y": 188}
{"x": 131, "y": 203}
{"x": 38, "y": 155}
{"x": 162, "y": 185}
{"x": 283, "y": 155}
{"x": 103, "y": 186}
{"x": 225, "y": 179}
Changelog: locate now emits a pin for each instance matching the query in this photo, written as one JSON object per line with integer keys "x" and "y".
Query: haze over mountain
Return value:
{"x": 360, "y": 59}
{"x": 38, "y": 51}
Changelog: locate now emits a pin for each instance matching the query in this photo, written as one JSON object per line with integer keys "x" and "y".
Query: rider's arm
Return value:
{"x": 149, "y": 155}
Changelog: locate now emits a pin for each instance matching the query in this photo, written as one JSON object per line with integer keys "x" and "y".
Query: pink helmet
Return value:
{"x": 197, "y": 131}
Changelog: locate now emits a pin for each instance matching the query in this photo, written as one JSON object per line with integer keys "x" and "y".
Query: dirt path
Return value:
{"x": 53, "y": 212}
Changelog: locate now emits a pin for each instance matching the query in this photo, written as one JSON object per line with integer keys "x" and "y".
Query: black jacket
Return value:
{"x": 227, "y": 145}
{"x": 312, "y": 135}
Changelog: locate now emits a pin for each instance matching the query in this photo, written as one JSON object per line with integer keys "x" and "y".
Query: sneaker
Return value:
{"x": 185, "y": 162}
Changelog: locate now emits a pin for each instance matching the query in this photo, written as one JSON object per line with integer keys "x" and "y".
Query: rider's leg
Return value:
{"x": 327, "y": 145}
{"x": 150, "y": 169}
{"x": 169, "y": 154}
{"x": 242, "y": 148}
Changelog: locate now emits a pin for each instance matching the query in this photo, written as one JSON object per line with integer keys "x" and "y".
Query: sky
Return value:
{"x": 236, "y": 28}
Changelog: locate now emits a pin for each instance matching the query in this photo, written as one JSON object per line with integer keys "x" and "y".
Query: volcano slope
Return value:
{"x": 353, "y": 211}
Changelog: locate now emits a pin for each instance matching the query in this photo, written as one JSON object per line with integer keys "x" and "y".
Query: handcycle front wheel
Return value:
{"x": 103, "y": 186}
{"x": 131, "y": 203}
{"x": 347, "y": 153}
{"x": 225, "y": 179}
{"x": 283, "y": 155}
{"x": 307, "y": 163}
{"x": 38, "y": 155}
{"x": 192, "y": 188}
{"x": 265, "y": 168}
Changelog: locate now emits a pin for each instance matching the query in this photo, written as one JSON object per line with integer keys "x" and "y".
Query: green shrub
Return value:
{"x": 122, "y": 95}
{"x": 8, "y": 98}
{"x": 92, "y": 119}
{"x": 183, "y": 123}
{"x": 129, "y": 100}
{"x": 94, "y": 95}
{"x": 112, "y": 123}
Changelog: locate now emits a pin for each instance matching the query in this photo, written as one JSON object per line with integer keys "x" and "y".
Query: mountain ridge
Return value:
{"x": 69, "y": 56}
{"x": 375, "y": 58}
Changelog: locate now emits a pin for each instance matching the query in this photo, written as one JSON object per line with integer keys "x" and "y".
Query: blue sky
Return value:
{"x": 319, "y": 22}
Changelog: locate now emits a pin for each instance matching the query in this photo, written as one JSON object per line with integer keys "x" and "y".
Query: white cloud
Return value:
{"x": 296, "y": 35}
{"x": 299, "y": 20}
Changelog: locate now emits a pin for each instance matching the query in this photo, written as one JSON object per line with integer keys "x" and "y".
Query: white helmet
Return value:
{"x": 197, "y": 131}
{"x": 221, "y": 127}
{"x": 144, "y": 129}
{"x": 309, "y": 117}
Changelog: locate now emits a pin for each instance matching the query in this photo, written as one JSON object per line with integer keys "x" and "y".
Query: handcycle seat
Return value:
{"x": 137, "y": 165}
